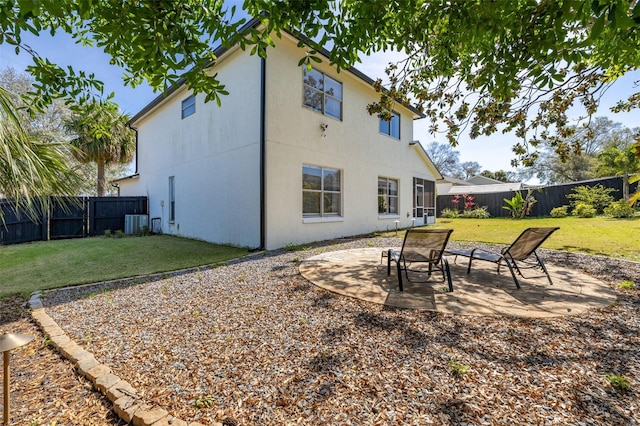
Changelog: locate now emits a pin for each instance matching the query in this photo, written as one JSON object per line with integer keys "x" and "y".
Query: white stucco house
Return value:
{"x": 291, "y": 156}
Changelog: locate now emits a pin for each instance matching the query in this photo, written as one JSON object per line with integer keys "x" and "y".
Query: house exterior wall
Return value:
{"x": 213, "y": 156}
{"x": 353, "y": 145}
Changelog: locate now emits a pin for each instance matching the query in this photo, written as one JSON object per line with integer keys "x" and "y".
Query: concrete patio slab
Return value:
{"x": 360, "y": 273}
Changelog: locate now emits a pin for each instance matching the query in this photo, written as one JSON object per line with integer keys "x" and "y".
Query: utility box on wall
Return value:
{"x": 133, "y": 223}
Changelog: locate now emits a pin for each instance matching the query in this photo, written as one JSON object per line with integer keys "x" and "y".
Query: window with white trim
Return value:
{"x": 387, "y": 196}
{"x": 391, "y": 127}
{"x": 321, "y": 192}
{"x": 189, "y": 106}
{"x": 322, "y": 93}
{"x": 172, "y": 199}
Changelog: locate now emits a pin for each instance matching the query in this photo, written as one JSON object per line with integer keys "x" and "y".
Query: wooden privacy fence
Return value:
{"x": 548, "y": 197}
{"x": 70, "y": 217}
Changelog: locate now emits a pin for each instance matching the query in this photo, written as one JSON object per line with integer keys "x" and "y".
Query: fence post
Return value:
{"x": 45, "y": 221}
{"x": 91, "y": 215}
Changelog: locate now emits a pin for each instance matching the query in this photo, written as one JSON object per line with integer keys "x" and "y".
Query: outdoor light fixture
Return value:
{"x": 7, "y": 343}
{"x": 324, "y": 127}
{"x": 413, "y": 143}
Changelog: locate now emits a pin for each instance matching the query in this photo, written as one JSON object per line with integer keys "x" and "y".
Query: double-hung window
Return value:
{"x": 172, "y": 199}
{"x": 391, "y": 127}
{"x": 322, "y": 93}
{"x": 387, "y": 196}
{"x": 321, "y": 191}
{"x": 189, "y": 106}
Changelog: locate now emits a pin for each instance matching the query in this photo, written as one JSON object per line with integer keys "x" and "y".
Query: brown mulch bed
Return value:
{"x": 255, "y": 341}
{"x": 44, "y": 388}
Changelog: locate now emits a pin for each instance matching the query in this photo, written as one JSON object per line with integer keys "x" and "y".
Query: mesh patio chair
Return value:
{"x": 421, "y": 246}
{"x": 517, "y": 256}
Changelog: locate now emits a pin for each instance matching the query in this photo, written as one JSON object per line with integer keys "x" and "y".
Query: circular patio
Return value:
{"x": 362, "y": 273}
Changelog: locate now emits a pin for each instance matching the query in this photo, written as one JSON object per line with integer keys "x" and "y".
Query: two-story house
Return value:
{"x": 291, "y": 156}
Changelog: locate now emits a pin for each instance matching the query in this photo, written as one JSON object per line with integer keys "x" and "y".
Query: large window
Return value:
{"x": 322, "y": 93}
{"x": 321, "y": 193}
{"x": 172, "y": 199}
{"x": 391, "y": 127}
{"x": 387, "y": 196}
{"x": 189, "y": 106}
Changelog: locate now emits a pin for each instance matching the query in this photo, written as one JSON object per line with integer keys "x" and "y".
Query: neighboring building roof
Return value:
{"x": 480, "y": 189}
{"x": 252, "y": 23}
{"x": 483, "y": 180}
{"x": 453, "y": 180}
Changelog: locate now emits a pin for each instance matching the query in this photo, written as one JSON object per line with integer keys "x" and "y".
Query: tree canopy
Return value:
{"x": 30, "y": 169}
{"x": 598, "y": 150}
{"x": 471, "y": 65}
{"x": 101, "y": 136}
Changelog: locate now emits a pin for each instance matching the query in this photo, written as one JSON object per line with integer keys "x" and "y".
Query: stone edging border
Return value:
{"x": 120, "y": 393}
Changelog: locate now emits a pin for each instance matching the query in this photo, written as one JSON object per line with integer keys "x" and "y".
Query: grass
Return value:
{"x": 54, "y": 264}
{"x": 605, "y": 236}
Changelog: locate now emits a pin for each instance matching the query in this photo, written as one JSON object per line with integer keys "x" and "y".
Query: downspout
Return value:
{"x": 135, "y": 130}
{"x": 263, "y": 145}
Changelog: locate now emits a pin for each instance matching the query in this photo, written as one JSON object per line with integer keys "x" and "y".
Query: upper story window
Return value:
{"x": 322, "y": 93}
{"x": 189, "y": 106}
{"x": 321, "y": 193}
{"x": 387, "y": 196}
{"x": 391, "y": 127}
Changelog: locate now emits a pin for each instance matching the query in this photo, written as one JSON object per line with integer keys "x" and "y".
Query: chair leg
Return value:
{"x": 469, "y": 266}
{"x": 400, "y": 275}
{"x": 389, "y": 262}
{"x": 447, "y": 272}
{"x": 544, "y": 268}
{"x": 513, "y": 274}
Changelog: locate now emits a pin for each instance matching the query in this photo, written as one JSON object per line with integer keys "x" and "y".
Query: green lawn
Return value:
{"x": 53, "y": 264}
{"x": 600, "y": 235}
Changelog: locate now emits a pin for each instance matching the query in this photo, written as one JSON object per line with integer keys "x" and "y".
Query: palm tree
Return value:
{"x": 101, "y": 136}
{"x": 31, "y": 169}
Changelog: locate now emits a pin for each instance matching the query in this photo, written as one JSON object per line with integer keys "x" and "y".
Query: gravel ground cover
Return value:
{"x": 257, "y": 342}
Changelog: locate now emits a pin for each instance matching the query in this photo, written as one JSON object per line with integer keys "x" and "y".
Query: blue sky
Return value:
{"x": 493, "y": 152}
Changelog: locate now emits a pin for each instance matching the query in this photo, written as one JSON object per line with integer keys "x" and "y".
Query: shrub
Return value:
{"x": 520, "y": 206}
{"x": 119, "y": 233}
{"x": 107, "y": 232}
{"x": 596, "y": 196}
{"x": 561, "y": 211}
{"x": 449, "y": 213}
{"x": 584, "y": 210}
{"x": 620, "y": 209}
{"x": 477, "y": 213}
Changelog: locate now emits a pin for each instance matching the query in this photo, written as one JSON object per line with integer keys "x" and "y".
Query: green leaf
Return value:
{"x": 597, "y": 28}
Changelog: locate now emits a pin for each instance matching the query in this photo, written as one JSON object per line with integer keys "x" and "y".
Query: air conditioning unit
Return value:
{"x": 133, "y": 223}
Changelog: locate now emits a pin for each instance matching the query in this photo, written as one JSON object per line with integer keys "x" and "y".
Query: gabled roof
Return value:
{"x": 418, "y": 146}
{"x": 483, "y": 189}
{"x": 483, "y": 180}
{"x": 453, "y": 180}
{"x": 219, "y": 51}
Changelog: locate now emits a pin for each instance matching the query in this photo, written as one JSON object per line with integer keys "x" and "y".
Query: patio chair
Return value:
{"x": 421, "y": 246}
{"x": 517, "y": 256}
